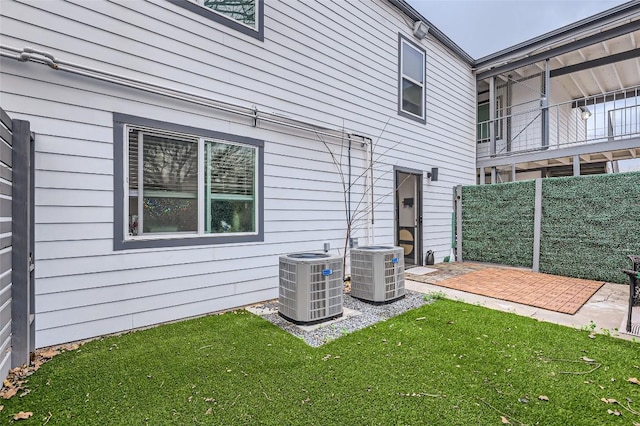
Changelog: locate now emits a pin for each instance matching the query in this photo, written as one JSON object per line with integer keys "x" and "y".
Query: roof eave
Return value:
{"x": 433, "y": 30}
{"x": 558, "y": 34}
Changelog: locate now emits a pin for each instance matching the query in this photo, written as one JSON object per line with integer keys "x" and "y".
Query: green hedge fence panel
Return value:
{"x": 497, "y": 223}
{"x": 589, "y": 225}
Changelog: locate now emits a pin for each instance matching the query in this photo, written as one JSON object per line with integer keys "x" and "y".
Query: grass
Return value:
{"x": 434, "y": 295}
{"x": 447, "y": 363}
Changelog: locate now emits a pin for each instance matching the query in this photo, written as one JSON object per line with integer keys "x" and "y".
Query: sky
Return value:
{"x": 482, "y": 27}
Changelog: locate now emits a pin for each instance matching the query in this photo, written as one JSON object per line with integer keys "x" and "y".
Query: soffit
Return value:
{"x": 596, "y": 80}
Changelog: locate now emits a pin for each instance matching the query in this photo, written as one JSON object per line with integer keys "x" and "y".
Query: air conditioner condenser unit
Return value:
{"x": 311, "y": 287}
{"x": 377, "y": 273}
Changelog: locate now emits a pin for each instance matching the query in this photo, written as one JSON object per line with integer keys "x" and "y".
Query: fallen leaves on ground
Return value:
{"x": 614, "y": 412}
{"x": 543, "y": 398}
{"x": 422, "y": 394}
{"x": 633, "y": 380}
{"x": 8, "y": 393}
{"x": 23, "y": 415}
{"x": 505, "y": 421}
{"x": 16, "y": 379}
{"x": 49, "y": 353}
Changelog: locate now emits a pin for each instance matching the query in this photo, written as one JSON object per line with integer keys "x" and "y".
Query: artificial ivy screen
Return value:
{"x": 497, "y": 223}
{"x": 589, "y": 226}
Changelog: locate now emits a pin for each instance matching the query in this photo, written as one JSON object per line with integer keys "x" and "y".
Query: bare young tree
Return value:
{"x": 240, "y": 10}
{"x": 366, "y": 203}
{"x": 170, "y": 165}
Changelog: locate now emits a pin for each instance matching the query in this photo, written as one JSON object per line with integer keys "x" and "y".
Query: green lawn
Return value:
{"x": 447, "y": 363}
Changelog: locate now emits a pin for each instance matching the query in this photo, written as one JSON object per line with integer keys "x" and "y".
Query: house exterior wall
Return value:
{"x": 321, "y": 62}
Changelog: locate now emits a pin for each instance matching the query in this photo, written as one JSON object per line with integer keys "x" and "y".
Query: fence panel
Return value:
{"x": 6, "y": 184}
{"x": 588, "y": 224}
{"x": 497, "y": 223}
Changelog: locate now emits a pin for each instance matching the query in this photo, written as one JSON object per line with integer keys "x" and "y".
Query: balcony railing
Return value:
{"x": 521, "y": 128}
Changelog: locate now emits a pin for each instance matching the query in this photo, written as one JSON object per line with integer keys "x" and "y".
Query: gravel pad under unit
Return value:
{"x": 367, "y": 314}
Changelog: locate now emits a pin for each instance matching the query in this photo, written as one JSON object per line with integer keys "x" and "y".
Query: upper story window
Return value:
{"x": 411, "y": 80}
{"x": 483, "y": 126}
{"x": 243, "y": 11}
{"x": 245, "y": 16}
{"x": 185, "y": 186}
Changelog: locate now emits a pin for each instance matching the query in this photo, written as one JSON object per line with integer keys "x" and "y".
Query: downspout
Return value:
{"x": 349, "y": 187}
{"x": 372, "y": 224}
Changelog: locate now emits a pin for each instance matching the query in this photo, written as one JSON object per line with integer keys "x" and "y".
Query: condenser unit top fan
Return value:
{"x": 308, "y": 256}
{"x": 310, "y": 289}
{"x": 376, "y": 248}
{"x": 377, "y": 273}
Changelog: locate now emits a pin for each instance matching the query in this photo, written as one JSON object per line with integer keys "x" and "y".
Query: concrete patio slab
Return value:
{"x": 607, "y": 308}
{"x": 552, "y": 292}
{"x": 420, "y": 270}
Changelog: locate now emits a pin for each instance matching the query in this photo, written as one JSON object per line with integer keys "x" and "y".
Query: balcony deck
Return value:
{"x": 594, "y": 129}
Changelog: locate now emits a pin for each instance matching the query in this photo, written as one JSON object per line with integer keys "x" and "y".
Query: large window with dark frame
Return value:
{"x": 188, "y": 186}
{"x": 411, "y": 80}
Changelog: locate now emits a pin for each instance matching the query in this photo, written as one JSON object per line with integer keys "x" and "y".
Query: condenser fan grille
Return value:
{"x": 377, "y": 273}
{"x": 310, "y": 287}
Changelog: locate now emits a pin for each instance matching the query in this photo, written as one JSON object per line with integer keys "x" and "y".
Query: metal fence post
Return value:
{"x": 459, "y": 223}
{"x": 537, "y": 225}
{"x": 22, "y": 318}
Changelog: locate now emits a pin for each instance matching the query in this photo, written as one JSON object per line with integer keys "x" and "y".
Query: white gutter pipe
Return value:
{"x": 42, "y": 57}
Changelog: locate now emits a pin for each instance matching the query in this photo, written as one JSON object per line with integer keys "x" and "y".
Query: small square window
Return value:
{"x": 245, "y": 16}
{"x": 411, "y": 80}
{"x": 243, "y": 11}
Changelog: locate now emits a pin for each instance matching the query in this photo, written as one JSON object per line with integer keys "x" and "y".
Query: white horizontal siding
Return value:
{"x": 143, "y": 317}
{"x": 54, "y": 302}
{"x": 321, "y": 62}
{"x": 67, "y": 179}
